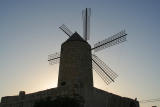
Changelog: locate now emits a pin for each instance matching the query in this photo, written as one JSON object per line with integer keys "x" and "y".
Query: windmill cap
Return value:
{"x": 75, "y": 37}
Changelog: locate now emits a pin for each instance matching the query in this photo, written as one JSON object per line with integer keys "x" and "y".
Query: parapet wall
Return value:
{"x": 98, "y": 98}
{"x": 107, "y": 99}
{"x": 15, "y": 101}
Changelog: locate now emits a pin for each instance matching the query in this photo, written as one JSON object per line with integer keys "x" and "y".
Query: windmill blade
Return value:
{"x": 103, "y": 70}
{"x": 107, "y": 79}
{"x": 113, "y": 40}
{"x": 86, "y": 13}
{"x": 66, "y": 30}
{"x": 98, "y": 71}
{"x": 54, "y": 58}
{"x": 101, "y": 64}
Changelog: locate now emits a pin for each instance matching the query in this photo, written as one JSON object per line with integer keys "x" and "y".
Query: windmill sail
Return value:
{"x": 86, "y": 23}
{"x": 113, "y": 40}
{"x": 66, "y": 30}
{"x": 95, "y": 68}
{"x": 54, "y": 58}
{"x": 103, "y": 70}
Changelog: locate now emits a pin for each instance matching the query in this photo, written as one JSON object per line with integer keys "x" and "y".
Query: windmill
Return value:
{"x": 75, "y": 79}
{"x": 106, "y": 74}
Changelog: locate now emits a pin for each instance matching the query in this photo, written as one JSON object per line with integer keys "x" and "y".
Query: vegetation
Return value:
{"x": 61, "y": 101}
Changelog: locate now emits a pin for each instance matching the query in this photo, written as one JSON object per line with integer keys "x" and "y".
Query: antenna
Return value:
{"x": 113, "y": 40}
{"x": 66, "y": 30}
{"x": 86, "y": 13}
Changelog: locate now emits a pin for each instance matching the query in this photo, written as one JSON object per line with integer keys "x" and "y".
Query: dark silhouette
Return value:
{"x": 61, "y": 101}
{"x": 132, "y": 104}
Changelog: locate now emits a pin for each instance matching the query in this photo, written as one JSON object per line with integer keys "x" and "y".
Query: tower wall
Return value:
{"x": 75, "y": 69}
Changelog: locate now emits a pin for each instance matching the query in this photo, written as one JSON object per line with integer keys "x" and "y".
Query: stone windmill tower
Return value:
{"x": 76, "y": 64}
{"x": 75, "y": 70}
{"x": 76, "y": 58}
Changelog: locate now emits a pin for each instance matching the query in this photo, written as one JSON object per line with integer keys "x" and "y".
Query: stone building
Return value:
{"x": 75, "y": 78}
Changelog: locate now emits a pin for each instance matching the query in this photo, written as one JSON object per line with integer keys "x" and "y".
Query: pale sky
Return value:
{"x": 29, "y": 33}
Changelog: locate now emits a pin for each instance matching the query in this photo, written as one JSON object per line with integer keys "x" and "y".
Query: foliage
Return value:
{"x": 60, "y": 101}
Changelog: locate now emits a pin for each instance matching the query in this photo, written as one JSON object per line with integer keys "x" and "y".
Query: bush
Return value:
{"x": 61, "y": 101}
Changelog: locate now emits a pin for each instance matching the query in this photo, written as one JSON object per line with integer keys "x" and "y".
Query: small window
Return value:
{"x": 63, "y": 83}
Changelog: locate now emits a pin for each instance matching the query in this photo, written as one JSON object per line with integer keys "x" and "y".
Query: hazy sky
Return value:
{"x": 29, "y": 33}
